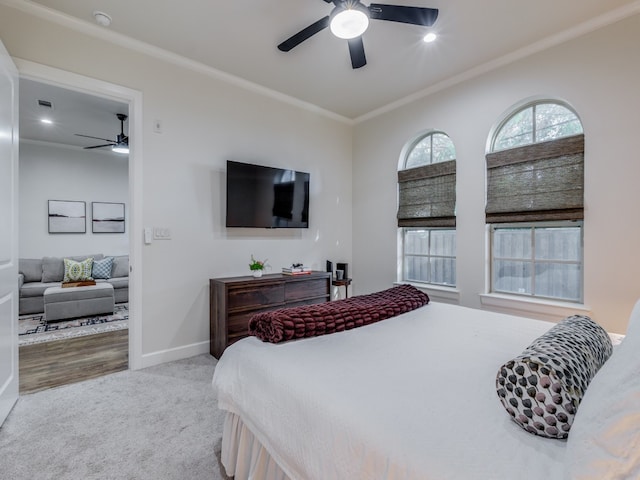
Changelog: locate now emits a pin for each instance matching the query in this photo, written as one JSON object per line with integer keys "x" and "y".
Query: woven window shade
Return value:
{"x": 427, "y": 196}
{"x": 539, "y": 182}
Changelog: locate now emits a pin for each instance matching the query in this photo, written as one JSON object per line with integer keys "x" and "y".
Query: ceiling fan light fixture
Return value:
{"x": 430, "y": 37}
{"x": 349, "y": 23}
{"x": 120, "y": 148}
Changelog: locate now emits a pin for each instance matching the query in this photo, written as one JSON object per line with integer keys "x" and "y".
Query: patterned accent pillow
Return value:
{"x": 542, "y": 388}
{"x": 77, "y": 271}
{"x": 102, "y": 268}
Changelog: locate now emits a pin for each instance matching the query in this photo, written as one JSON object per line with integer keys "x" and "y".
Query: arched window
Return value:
{"x": 535, "y": 202}
{"x": 535, "y": 123}
{"x": 426, "y": 210}
{"x": 434, "y": 147}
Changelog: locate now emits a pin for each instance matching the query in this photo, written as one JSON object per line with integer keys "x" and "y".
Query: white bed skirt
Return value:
{"x": 243, "y": 456}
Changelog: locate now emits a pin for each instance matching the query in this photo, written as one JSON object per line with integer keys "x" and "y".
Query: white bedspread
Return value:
{"x": 412, "y": 397}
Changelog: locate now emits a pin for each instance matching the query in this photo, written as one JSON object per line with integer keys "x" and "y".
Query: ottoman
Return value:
{"x": 63, "y": 303}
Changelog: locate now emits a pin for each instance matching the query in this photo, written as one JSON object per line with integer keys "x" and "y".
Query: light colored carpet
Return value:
{"x": 157, "y": 423}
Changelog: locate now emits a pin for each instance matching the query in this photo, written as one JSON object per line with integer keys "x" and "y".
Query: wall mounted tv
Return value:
{"x": 266, "y": 197}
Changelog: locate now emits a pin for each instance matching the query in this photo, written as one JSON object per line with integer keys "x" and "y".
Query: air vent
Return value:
{"x": 45, "y": 104}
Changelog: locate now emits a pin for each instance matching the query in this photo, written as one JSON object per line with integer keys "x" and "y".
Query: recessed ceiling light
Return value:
{"x": 102, "y": 18}
{"x": 47, "y": 121}
{"x": 430, "y": 37}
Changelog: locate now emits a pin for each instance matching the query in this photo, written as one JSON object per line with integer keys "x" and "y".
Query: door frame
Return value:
{"x": 9, "y": 381}
{"x": 72, "y": 81}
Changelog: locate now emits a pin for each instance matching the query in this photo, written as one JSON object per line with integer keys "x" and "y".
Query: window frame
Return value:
{"x": 407, "y": 150}
{"x": 567, "y": 219}
{"x": 428, "y": 255}
{"x": 529, "y": 104}
{"x": 537, "y": 225}
{"x": 411, "y": 147}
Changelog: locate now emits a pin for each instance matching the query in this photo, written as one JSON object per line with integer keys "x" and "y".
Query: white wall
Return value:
{"x": 598, "y": 74}
{"x": 205, "y": 122}
{"x": 50, "y": 172}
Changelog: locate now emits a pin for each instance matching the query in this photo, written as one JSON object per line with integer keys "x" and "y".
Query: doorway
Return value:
{"x": 127, "y": 102}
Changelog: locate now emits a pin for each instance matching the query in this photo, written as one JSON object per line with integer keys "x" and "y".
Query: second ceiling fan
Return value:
{"x": 119, "y": 145}
{"x": 350, "y": 18}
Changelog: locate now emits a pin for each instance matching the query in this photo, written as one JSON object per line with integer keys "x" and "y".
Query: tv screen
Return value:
{"x": 266, "y": 197}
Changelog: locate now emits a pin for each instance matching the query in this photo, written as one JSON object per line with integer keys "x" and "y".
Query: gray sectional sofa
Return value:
{"x": 38, "y": 274}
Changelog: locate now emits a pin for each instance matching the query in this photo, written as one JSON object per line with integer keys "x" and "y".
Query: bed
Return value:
{"x": 414, "y": 397}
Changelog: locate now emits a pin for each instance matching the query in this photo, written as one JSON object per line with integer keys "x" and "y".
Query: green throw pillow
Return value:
{"x": 77, "y": 271}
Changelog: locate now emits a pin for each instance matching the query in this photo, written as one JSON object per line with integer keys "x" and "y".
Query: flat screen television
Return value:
{"x": 266, "y": 197}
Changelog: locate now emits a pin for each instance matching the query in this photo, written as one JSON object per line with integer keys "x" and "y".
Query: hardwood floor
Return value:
{"x": 60, "y": 362}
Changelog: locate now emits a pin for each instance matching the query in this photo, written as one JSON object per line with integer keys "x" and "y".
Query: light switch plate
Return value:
{"x": 148, "y": 235}
{"x": 161, "y": 233}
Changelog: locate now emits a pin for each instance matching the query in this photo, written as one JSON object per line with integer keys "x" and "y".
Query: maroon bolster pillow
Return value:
{"x": 329, "y": 317}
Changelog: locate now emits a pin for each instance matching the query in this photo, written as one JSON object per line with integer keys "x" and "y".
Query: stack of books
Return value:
{"x": 296, "y": 270}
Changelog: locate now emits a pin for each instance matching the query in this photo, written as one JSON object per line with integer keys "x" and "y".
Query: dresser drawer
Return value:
{"x": 239, "y": 322}
{"x": 249, "y": 297}
{"x": 300, "y": 290}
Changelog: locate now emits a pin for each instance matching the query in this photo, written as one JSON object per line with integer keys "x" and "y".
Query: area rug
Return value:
{"x": 35, "y": 329}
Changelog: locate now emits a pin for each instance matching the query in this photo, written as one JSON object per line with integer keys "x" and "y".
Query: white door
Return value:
{"x": 8, "y": 234}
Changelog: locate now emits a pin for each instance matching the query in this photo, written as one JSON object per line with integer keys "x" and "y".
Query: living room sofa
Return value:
{"x": 38, "y": 274}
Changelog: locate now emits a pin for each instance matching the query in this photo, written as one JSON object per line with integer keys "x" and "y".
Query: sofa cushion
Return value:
{"x": 120, "y": 266}
{"x": 36, "y": 289}
{"x": 118, "y": 282}
{"x": 53, "y": 267}
{"x": 60, "y": 294}
{"x": 102, "y": 268}
{"x": 31, "y": 268}
{"x": 77, "y": 271}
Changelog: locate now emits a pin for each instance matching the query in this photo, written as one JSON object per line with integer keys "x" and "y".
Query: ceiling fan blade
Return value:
{"x": 356, "y": 50}
{"x": 304, "y": 34}
{"x": 96, "y": 138}
{"x": 402, "y": 14}
{"x": 100, "y": 146}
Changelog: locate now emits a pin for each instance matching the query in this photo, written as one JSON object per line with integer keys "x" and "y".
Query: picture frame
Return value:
{"x": 107, "y": 217}
{"x": 67, "y": 216}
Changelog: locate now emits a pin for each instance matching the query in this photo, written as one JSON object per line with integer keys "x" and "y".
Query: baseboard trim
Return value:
{"x": 172, "y": 354}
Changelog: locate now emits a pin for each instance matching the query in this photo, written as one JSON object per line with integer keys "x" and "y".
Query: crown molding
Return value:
{"x": 579, "y": 30}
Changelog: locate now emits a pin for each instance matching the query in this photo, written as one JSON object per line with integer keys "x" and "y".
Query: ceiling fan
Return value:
{"x": 350, "y": 18}
{"x": 119, "y": 145}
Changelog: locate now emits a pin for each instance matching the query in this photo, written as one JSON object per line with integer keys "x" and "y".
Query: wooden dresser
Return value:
{"x": 234, "y": 300}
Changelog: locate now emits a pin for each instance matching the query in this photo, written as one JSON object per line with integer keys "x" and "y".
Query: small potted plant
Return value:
{"x": 257, "y": 267}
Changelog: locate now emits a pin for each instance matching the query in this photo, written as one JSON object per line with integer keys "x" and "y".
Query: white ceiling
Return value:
{"x": 239, "y": 37}
{"x": 71, "y": 113}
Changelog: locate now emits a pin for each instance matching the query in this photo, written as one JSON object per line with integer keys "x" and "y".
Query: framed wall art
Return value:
{"x": 66, "y": 216}
{"x": 107, "y": 217}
